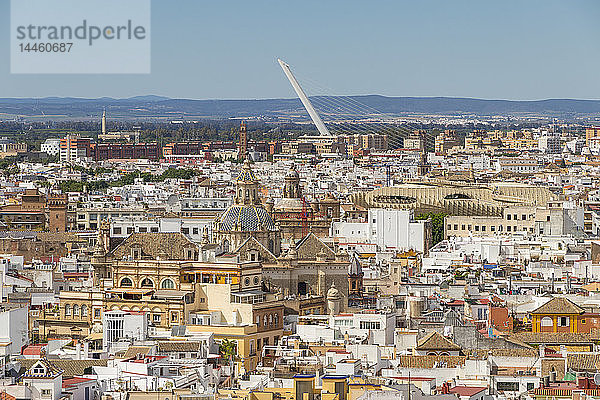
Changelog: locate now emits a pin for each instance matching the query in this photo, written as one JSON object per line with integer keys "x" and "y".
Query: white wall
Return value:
{"x": 14, "y": 329}
{"x": 389, "y": 229}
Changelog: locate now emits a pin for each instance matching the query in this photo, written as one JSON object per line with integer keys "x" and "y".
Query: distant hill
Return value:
{"x": 162, "y": 107}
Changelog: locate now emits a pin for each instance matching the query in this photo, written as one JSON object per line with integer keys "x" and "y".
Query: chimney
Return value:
{"x": 78, "y": 351}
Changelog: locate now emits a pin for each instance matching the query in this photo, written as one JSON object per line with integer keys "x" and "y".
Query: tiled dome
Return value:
{"x": 241, "y": 217}
{"x": 246, "y": 175}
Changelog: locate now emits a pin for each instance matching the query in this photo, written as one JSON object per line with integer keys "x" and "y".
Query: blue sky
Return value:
{"x": 534, "y": 49}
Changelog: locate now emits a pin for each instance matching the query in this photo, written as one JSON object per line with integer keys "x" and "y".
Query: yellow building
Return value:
{"x": 558, "y": 315}
{"x": 334, "y": 387}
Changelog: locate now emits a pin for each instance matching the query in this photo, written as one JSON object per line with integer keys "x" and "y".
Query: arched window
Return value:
{"x": 546, "y": 321}
{"x": 67, "y": 309}
{"x": 167, "y": 284}
{"x": 276, "y": 319}
{"x": 126, "y": 282}
{"x": 265, "y": 320}
{"x": 76, "y": 309}
{"x": 271, "y": 320}
{"x": 147, "y": 283}
{"x": 226, "y": 246}
{"x": 84, "y": 311}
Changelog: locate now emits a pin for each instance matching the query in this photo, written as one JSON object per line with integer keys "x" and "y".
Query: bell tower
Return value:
{"x": 291, "y": 188}
{"x": 243, "y": 142}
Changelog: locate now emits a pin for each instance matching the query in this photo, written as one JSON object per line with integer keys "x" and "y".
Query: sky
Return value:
{"x": 200, "y": 49}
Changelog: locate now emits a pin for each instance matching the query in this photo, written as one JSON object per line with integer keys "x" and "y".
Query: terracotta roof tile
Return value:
{"x": 431, "y": 361}
{"x": 559, "y": 305}
{"x": 435, "y": 341}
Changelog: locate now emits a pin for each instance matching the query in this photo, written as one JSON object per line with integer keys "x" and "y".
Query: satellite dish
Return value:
{"x": 597, "y": 378}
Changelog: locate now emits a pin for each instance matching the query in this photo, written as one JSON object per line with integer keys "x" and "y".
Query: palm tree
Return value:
{"x": 228, "y": 349}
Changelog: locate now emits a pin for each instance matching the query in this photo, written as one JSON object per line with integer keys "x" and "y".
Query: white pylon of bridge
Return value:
{"x": 304, "y": 99}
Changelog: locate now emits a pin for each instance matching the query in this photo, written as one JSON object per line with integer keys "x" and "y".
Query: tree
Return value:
{"x": 437, "y": 225}
{"x": 228, "y": 349}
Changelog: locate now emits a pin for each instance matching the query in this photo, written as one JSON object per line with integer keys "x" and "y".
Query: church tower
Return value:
{"x": 355, "y": 277}
{"x": 291, "y": 187}
{"x": 247, "y": 217}
{"x": 243, "y": 143}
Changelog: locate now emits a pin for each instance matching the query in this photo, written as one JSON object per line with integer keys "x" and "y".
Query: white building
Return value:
{"x": 388, "y": 229}
{"x": 518, "y": 164}
{"x": 14, "y": 332}
{"x": 377, "y": 328}
{"x": 194, "y": 228}
{"x": 549, "y": 144}
{"x": 51, "y": 147}
{"x": 119, "y": 326}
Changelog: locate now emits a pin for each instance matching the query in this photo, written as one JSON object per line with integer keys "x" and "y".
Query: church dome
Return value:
{"x": 246, "y": 174}
{"x": 248, "y": 218}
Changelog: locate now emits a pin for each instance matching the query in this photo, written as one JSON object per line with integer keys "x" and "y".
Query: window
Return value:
{"x": 129, "y": 230}
{"x": 154, "y": 229}
{"x": 117, "y": 230}
{"x": 523, "y": 217}
{"x": 174, "y": 316}
{"x": 563, "y": 321}
{"x": 126, "y": 282}
{"x": 67, "y": 309}
{"x": 167, "y": 284}
{"x": 76, "y": 309}
{"x": 508, "y": 386}
{"x": 84, "y": 311}
{"x": 46, "y": 393}
{"x": 508, "y": 217}
{"x": 136, "y": 253}
{"x": 546, "y": 321}
{"x": 247, "y": 281}
{"x": 97, "y": 313}
{"x": 185, "y": 231}
{"x": 530, "y": 386}
{"x": 143, "y": 229}
{"x": 147, "y": 283}
{"x": 195, "y": 231}
{"x": 156, "y": 318}
{"x": 370, "y": 325}
{"x": 256, "y": 280}
{"x": 583, "y": 321}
